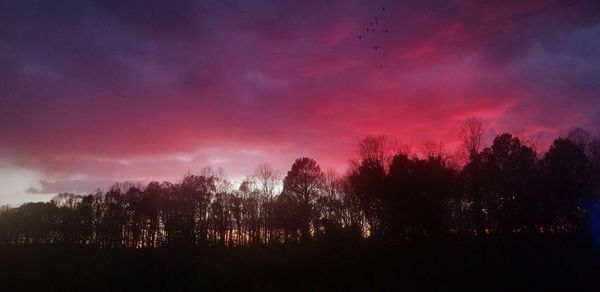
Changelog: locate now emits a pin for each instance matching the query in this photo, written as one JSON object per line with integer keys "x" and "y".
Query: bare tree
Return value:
{"x": 4, "y": 208}
{"x": 581, "y": 138}
{"x": 434, "y": 149}
{"x": 332, "y": 196}
{"x": 530, "y": 140}
{"x": 377, "y": 148}
{"x": 471, "y": 132}
{"x": 268, "y": 180}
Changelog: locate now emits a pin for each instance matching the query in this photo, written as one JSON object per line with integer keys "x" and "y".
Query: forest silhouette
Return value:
{"x": 503, "y": 202}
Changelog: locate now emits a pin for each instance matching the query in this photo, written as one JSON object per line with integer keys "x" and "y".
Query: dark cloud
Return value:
{"x": 32, "y": 190}
{"x": 73, "y": 186}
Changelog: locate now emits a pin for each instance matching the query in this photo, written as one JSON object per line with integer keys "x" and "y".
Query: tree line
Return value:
{"x": 388, "y": 193}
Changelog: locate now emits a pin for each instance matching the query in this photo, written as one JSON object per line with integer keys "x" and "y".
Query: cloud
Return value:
{"x": 74, "y": 186}
{"x": 32, "y": 190}
{"x": 150, "y": 89}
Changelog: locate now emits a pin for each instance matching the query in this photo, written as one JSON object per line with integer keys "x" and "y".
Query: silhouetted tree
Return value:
{"x": 289, "y": 217}
{"x": 387, "y": 193}
{"x": 267, "y": 180}
{"x": 567, "y": 186}
{"x": 379, "y": 149}
{"x": 304, "y": 183}
{"x": 418, "y": 194}
{"x": 330, "y": 205}
{"x": 150, "y": 209}
{"x": 471, "y": 133}
{"x": 368, "y": 184}
{"x": 509, "y": 177}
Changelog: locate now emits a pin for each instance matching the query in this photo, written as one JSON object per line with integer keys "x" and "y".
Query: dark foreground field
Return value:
{"x": 541, "y": 264}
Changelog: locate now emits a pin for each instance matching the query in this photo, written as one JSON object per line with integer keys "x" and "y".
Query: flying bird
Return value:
{"x": 371, "y": 27}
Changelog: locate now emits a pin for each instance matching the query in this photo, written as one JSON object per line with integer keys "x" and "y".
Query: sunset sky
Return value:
{"x": 92, "y": 92}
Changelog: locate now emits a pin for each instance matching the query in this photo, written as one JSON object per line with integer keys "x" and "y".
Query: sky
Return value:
{"x": 93, "y": 92}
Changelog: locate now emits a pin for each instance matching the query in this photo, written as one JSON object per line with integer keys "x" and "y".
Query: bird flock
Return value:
{"x": 372, "y": 28}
